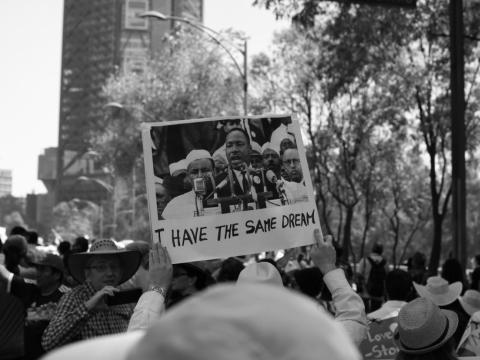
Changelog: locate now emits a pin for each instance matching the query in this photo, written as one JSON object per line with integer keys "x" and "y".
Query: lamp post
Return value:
{"x": 214, "y": 35}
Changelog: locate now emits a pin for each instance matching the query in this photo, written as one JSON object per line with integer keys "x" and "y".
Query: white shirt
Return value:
{"x": 388, "y": 310}
{"x": 296, "y": 192}
{"x": 183, "y": 207}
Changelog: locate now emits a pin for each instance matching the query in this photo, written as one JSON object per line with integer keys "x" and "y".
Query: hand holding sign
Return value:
{"x": 323, "y": 253}
{"x": 160, "y": 266}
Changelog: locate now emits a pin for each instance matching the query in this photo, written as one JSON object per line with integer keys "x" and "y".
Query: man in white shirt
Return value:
{"x": 200, "y": 165}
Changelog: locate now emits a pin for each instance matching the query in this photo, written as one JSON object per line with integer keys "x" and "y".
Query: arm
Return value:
{"x": 73, "y": 311}
{"x": 151, "y": 304}
{"x": 349, "y": 307}
{"x": 66, "y": 325}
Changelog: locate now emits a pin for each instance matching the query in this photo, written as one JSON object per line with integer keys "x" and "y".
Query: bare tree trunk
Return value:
{"x": 347, "y": 231}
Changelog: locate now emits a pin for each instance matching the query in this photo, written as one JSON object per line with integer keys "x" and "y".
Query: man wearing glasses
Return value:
{"x": 83, "y": 312}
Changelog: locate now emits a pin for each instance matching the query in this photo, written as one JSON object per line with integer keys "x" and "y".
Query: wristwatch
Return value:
{"x": 162, "y": 291}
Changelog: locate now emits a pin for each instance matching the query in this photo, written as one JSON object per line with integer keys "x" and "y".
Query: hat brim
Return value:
{"x": 129, "y": 263}
{"x": 469, "y": 309}
{"x": 454, "y": 291}
{"x": 452, "y": 322}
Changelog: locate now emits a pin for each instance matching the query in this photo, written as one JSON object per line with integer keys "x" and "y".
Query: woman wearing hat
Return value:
{"x": 425, "y": 332}
{"x": 83, "y": 313}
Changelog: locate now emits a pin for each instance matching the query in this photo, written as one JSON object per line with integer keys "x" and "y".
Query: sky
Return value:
{"x": 31, "y": 38}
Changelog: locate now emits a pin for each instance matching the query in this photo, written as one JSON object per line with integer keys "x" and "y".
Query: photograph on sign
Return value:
{"x": 228, "y": 186}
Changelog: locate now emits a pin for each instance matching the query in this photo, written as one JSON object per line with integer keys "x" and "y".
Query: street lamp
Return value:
{"x": 117, "y": 105}
{"x": 212, "y": 34}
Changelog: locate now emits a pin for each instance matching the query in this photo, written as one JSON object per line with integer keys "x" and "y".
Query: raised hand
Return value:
{"x": 323, "y": 253}
{"x": 160, "y": 266}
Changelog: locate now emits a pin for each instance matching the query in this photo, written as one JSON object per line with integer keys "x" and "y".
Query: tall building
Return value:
{"x": 5, "y": 182}
{"x": 99, "y": 38}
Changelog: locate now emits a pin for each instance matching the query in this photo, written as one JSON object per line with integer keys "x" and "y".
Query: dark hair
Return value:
{"x": 398, "y": 285}
{"x": 309, "y": 281}
{"x": 19, "y": 230}
{"x": 230, "y": 270}
{"x": 475, "y": 285}
{"x": 241, "y": 130}
{"x": 64, "y": 247}
{"x": 80, "y": 245}
{"x": 32, "y": 237}
{"x": 377, "y": 248}
{"x": 452, "y": 271}
{"x": 444, "y": 352}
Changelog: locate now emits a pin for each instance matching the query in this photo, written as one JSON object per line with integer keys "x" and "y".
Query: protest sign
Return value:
{"x": 215, "y": 192}
{"x": 379, "y": 343}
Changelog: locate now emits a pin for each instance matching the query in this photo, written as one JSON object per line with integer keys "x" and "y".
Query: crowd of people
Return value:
{"x": 255, "y": 175}
{"x": 97, "y": 299}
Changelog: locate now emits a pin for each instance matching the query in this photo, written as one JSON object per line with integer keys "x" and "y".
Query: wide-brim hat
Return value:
{"x": 470, "y": 301}
{"x": 51, "y": 260}
{"x": 129, "y": 259}
{"x": 423, "y": 327}
{"x": 439, "y": 291}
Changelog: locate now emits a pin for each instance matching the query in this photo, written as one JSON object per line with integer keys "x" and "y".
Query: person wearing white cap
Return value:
{"x": 200, "y": 165}
{"x": 221, "y": 323}
{"x": 446, "y": 296}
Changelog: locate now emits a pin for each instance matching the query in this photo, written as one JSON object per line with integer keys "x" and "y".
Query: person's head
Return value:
{"x": 104, "y": 264}
{"x": 64, "y": 248}
{"x": 229, "y": 270}
{"x": 424, "y": 330}
{"x": 292, "y": 166}
{"x": 309, "y": 281}
{"x": 49, "y": 271}
{"x": 398, "y": 285}
{"x": 377, "y": 248}
{"x": 418, "y": 261}
{"x": 286, "y": 143}
{"x": 80, "y": 244}
{"x": 237, "y": 148}
{"x": 452, "y": 271}
{"x": 475, "y": 285}
{"x": 188, "y": 279}
{"x": 15, "y": 250}
{"x": 32, "y": 237}
{"x": 439, "y": 290}
{"x": 200, "y": 165}
{"x": 19, "y": 230}
{"x": 220, "y": 163}
{"x": 271, "y": 158}
{"x": 229, "y": 125}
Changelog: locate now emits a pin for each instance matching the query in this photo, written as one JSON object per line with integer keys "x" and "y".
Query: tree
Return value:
{"x": 75, "y": 218}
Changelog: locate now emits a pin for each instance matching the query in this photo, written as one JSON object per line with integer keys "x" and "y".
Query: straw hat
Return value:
{"x": 424, "y": 327}
{"x": 129, "y": 259}
{"x": 439, "y": 291}
{"x": 243, "y": 321}
{"x": 470, "y": 301}
{"x": 262, "y": 272}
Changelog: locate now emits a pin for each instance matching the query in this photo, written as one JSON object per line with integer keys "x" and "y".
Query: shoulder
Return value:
{"x": 178, "y": 205}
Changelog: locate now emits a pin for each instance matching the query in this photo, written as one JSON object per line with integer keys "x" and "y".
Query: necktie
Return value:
{"x": 244, "y": 182}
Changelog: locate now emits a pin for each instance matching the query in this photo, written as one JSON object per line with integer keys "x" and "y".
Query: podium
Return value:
{"x": 243, "y": 200}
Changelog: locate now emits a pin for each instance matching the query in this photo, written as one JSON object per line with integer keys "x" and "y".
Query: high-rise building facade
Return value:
{"x": 5, "y": 182}
{"x": 99, "y": 38}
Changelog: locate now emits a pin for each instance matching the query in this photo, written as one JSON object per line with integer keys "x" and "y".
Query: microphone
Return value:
{"x": 270, "y": 175}
{"x": 199, "y": 186}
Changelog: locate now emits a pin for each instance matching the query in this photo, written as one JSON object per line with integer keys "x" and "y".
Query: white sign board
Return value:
{"x": 228, "y": 186}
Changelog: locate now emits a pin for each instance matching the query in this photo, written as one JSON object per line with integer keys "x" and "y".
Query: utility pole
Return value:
{"x": 457, "y": 88}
